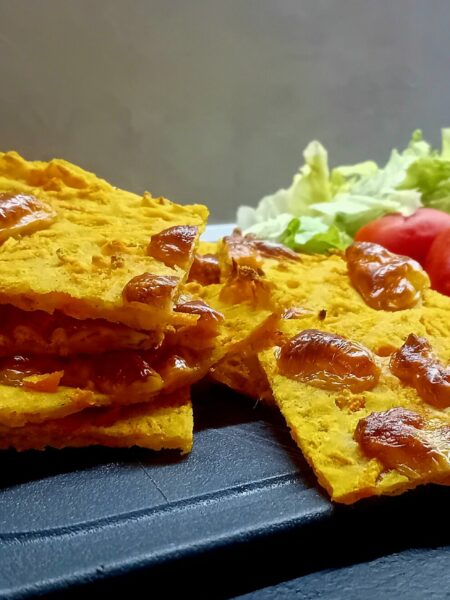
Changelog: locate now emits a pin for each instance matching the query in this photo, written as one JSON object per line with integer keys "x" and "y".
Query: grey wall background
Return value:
{"x": 213, "y": 101}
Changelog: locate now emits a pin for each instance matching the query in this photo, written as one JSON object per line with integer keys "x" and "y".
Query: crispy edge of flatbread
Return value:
{"x": 164, "y": 424}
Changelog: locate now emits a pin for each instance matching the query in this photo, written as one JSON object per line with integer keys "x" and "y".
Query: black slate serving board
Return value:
{"x": 243, "y": 511}
{"x": 409, "y": 575}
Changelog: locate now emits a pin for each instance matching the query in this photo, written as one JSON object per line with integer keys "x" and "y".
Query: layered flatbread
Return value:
{"x": 165, "y": 424}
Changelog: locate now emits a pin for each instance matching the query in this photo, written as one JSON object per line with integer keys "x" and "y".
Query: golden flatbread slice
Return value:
{"x": 19, "y": 406}
{"x": 41, "y": 333}
{"x": 242, "y": 286}
{"x": 244, "y": 329}
{"x": 245, "y": 324}
{"x": 313, "y": 282}
{"x": 36, "y": 389}
{"x": 165, "y": 424}
{"x": 248, "y": 327}
{"x": 382, "y": 438}
{"x": 242, "y": 373}
{"x": 72, "y": 242}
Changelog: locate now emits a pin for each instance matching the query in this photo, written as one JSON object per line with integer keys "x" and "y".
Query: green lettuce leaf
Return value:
{"x": 370, "y": 192}
{"x": 311, "y": 184}
{"x": 311, "y": 235}
{"x": 443, "y": 201}
{"x": 445, "y": 153}
{"x": 343, "y": 177}
{"x": 352, "y": 211}
{"x": 268, "y": 229}
{"x": 430, "y": 176}
{"x": 427, "y": 175}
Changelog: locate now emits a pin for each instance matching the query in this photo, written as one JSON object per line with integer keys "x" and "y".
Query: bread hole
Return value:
{"x": 292, "y": 284}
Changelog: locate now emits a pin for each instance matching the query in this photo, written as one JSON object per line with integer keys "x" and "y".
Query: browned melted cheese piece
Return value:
{"x": 150, "y": 289}
{"x": 328, "y": 361}
{"x": 22, "y": 214}
{"x": 241, "y": 251}
{"x": 244, "y": 256}
{"x": 105, "y": 373}
{"x": 38, "y": 332}
{"x": 121, "y": 368}
{"x": 48, "y": 382}
{"x": 173, "y": 246}
{"x": 209, "y": 319}
{"x": 14, "y": 369}
{"x": 397, "y": 438}
{"x": 207, "y": 314}
{"x": 415, "y": 364}
{"x": 248, "y": 250}
{"x": 178, "y": 367}
{"x": 385, "y": 281}
{"x": 205, "y": 269}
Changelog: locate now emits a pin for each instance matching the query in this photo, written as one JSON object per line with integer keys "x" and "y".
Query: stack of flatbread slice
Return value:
{"x": 90, "y": 278}
{"x": 101, "y": 337}
{"x": 383, "y": 439}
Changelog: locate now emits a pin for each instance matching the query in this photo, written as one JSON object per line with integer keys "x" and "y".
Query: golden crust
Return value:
{"x": 165, "y": 424}
{"x": 81, "y": 262}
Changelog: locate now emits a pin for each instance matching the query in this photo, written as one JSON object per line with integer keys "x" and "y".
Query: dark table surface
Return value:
{"x": 243, "y": 511}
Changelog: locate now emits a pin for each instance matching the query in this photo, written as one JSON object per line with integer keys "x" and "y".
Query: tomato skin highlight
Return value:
{"x": 411, "y": 236}
{"x": 437, "y": 263}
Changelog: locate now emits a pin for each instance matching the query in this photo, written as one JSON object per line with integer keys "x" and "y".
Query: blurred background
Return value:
{"x": 213, "y": 101}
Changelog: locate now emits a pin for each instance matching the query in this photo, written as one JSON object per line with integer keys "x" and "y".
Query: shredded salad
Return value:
{"x": 323, "y": 209}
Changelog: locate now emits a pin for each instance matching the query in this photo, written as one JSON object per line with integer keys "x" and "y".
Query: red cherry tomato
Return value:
{"x": 437, "y": 263}
{"x": 411, "y": 236}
